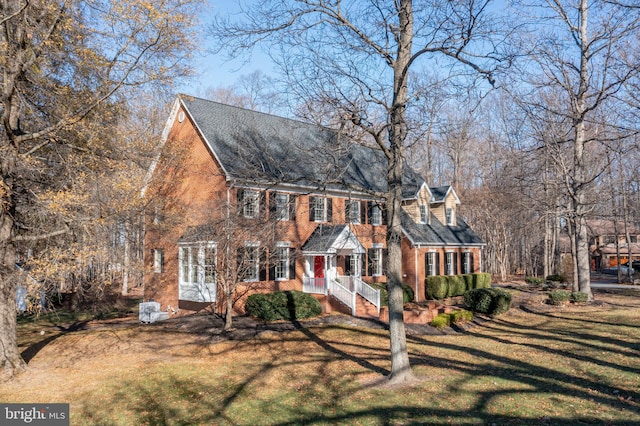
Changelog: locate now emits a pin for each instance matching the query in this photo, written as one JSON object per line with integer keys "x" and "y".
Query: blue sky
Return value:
{"x": 214, "y": 70}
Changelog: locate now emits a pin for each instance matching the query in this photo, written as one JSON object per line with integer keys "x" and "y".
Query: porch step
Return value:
{"x": 366, "y": 309}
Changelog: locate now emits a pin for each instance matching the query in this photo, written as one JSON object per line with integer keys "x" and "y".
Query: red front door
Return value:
{"x": 318, "y": 267}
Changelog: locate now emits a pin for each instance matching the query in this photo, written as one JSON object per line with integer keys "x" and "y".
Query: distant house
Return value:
{"x": 607, "y": 239}
{"x": 322, "y": 193}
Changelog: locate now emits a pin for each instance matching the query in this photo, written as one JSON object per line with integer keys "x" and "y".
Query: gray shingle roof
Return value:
{"x": 323, "y": 238}
{"x": 268, "y": 149}
{"x": 439, "y": 193}
{"x": 435, "y": 233}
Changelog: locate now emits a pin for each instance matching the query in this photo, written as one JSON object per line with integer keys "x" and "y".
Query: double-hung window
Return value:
{"x": 158, "y": 260}
{"x": 449, "y": 213}
{"x": 352, "y": 211}
{"x": 450, "y": 263}
{"x": 320, "y": 209}
{"x": 467, "y": 262}
{"x": 376, "y": 215}
{"x": 282, "y": 206}
{"x": 375, "y": 261}
{"x": 424, "y": 211}
{"x": 197, "y": 268}
{"x": 250, "y": 203}
{"x": 249, "y": 262}
{"x": 432, "y": 263}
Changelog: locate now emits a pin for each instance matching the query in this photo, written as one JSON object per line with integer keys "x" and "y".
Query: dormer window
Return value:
{"x": 450, "y": 216}
{"x": 424, "y": 212}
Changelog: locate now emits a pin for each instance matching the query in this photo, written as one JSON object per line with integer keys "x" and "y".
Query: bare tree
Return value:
{"x": 581, "y": 58}
{"x": 359, "y": 57}
{"x": 66, "y": 66}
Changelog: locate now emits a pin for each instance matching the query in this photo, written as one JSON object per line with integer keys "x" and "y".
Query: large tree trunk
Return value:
{"x": 400, "y": 367}
{"x": 10, "y": 360}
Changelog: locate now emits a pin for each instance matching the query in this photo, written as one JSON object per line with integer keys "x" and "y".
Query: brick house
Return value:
{"x": 305, "y": 205}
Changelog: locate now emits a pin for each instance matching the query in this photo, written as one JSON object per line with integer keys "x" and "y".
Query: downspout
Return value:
{"x": 227, "y": 238}
{"x": 415, "y": 253}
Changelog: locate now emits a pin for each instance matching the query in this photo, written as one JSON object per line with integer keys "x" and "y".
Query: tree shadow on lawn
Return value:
{"x": 32, "y": 350}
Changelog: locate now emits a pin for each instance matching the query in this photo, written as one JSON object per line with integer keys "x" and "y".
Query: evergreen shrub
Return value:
{"x": 579, "y": 297}
{"x": 437, "y": 287}
{"x": 283, "y": 305}
{"x": 559, "y": 297}
{"x": 490, "y": 301}
{"x": 534, "y": 280}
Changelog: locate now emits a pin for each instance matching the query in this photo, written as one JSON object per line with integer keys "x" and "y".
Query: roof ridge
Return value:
{"x": 253, "y": 111}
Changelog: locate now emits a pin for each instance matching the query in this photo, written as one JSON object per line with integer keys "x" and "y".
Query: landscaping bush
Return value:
{"x": 559, "y": 297}
{"x": 441, "y": 321}
{"x": 442, "y": 286}
{"x": 482, "y": 280}
{"x": 468, "y": 282}
{"x": 455, "y": 317}
{"x": 556, "y": 278}
{"x": 534, "y": 280}
{"x": 457, "y": 286}
{"x": 490, "y": 301}
{"x": 283, "y": 305}
{"x": 579, "y": 297}
{"x": 407, "y": 293}
{"x": 437, "y": 287}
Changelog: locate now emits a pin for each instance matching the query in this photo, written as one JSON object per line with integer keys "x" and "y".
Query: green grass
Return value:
{"x": 559, "y": 367}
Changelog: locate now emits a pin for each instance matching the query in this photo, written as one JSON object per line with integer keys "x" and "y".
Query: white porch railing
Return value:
{"x": 343, "y": 294}
{"x": 368, "y": 292}
{"x": 314, "y": 285}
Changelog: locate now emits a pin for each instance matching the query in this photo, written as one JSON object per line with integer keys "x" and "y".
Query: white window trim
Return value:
{"x": 158, "y": 260}
{"x": 320, "y": 209}
{"x": 449, "y": 261}
{"x": 376, "y": 215}
{"x": 256, "y": 261}
{"x": 466, "y": 264}
{"x": 250, "y": 203}
{"x": 424, "y": 213}
{"x": 282, "y": 262}
{"x": 282, "y": 208}
{"x": 195, "y": 280}
{"x": 432, "y": 256}
{"x": 376, "y": 268}
{"x": 354, "y": 211}
{"x": 450, "y": 216}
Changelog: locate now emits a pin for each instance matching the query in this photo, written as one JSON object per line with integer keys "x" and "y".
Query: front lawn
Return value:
{"x": 551, "y": 366}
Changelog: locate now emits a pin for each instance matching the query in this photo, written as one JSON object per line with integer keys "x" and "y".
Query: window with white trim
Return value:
{"x": 158, "y": 260}
{"x": 282, "y": 263}
{"x": 467, "y": 262}
{"x": 376, "y": 215}
{"x": 250, "y": 203}
{"x": 450, "y": 216}
{"x": 282, "y": 206}
{"x": 249, "y": 262}
{"x": 197, "y": 269}
{"x": 450, "y": 264}
{"x": 320, "y": 209}
{"x": 424, "y": 212}
{"x": 352, "y": 211}
{"x": 432, "y": 260}
{"x": 375, "y": 261}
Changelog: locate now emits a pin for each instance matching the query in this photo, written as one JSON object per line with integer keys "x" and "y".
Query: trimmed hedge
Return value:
{"x": 407, "y": 293}
{"x": 490, "y": 301}
{"x": 283, "y": 305}
{"x": 455, "y": 317}
{"x": 443, "y": 286}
